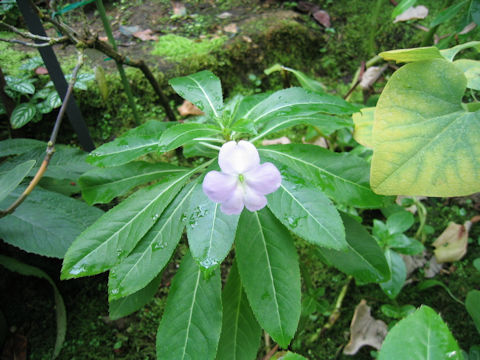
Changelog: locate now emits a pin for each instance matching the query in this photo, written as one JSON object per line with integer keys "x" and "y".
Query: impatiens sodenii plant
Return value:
{"x": 242, "y": 199}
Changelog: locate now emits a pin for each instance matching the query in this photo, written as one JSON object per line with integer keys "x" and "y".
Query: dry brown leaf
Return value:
{"x": 322, "y": 17}
{"x": 371, "y": 75}
{"x": 468, "y": 28}
{"x": 187, "y": 108}
{"x": 145, "y": 35}
{"x": 319, "y": 141}
{"x": 365, "y": 330}
{"x": 247, "y": 39}
{"x": 231, "y": 28}
{"x": 451, "y": 245}
{"x": 413, "y": 262}
{"x": 41, "y": 70}
{"x": 282, "y": 140}
{"x": 224, "y": 15}
{"x": 412, "y": 13}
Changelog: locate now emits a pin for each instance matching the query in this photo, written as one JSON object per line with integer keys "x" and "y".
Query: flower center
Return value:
{"x": 241, "y": 178}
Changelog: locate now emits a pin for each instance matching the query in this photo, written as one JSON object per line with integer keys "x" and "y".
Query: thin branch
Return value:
{"x": 26, "y": 35}
{"x": 271, "y": 353}
{"x": 35, "y": 45}
{"x": 51, "y": 144}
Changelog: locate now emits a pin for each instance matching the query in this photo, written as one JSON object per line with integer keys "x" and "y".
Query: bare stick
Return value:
{"x": 51, "y": 143}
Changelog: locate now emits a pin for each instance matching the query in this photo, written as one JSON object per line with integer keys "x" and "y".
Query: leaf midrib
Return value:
{"x": 264, "y": 242}
{"x": 191, "y": 313}
{"x": 144, "y": 253}
{"x": 205, "y": 94}
{"x": 319, "y": 168}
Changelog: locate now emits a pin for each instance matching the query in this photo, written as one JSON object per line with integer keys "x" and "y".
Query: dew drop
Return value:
{"x": 114, "y": 291}
{"x": 77, "y": 270}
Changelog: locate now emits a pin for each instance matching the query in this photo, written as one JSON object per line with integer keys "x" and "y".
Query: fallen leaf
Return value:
{"x": 145, "y": 35}
{"x": 103, "y": 38}
{"x": 179, "y": 9}
{"x": 371, "y": 75}
{"x": 41, "y": 70}
{"x": 468, "y": 28}
{"x": 282, "y": 140}
{"x": 413, "y": 262}
{"x": 432, "y": 268}
{"x": 187, "y": 108}
{"x": 129, "y": 30}
{"x": 412, "y": 13}
{"x": 306, "y": 6}
{"x": 365, "y": 330}
{"x": 322, "y": 17}
{"x": 224, "y": 15}
{"x": 247, "y": 39}
{"x": 319, "y": 141}
{"x": 231, "y": 28}
{"x": 451, "y": 245}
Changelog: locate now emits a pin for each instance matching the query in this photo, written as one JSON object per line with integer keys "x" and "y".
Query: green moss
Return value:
{"x": 179, "y": 48}
{"x": 11, "y": 59}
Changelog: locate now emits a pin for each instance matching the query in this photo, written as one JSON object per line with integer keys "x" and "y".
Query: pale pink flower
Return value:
{"x": 243, "y": 181}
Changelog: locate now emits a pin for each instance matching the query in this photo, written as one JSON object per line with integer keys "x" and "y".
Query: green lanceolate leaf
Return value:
{"x": 363, "y": 259}
{"x": 116, "y": 233}
{"x": 210, "y": 232}
{"x": 327, "y": 124}
{"x": 412, "y": 55}
{"x": 102, "y": 185}
{"x": 28, "y": 270}
{"x": 471, "y": 70}
{"x": 308, "y": 213}
{"x": 182, "y": 133}
{"x": 448, "y": 13}
{"x": 472, "y": 303}
{"x": 153, "y": 251}
{"x": 425, "y": 142}
{"x": 305, "y": 81}
{"x": 46, "y": 222}
{"x": 129, "y": 146}
{"x": 203, "y": 89}
{"x": 343, "y": 177}
{"x": 19, "y": 146}
{"x": 191, "y": 324}
{"x": 269, "y": 270}
{"x": 131, "y": 303}
{"x": 22, "y": 114}
{"x": 295, "y": 102}
{"x": 240, "y": 337}
{"x": 10, "y": 179}
{"x": 363, "y": 121}
{"x": 420, "y": 336}
{"x": 398, "y": 270}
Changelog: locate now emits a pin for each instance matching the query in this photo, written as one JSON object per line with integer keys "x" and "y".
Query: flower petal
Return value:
{"x": 234, "y": 205}
{"x": 253, "y": 200}
{"x": 219, "y": 186}
{"x": 238, "y": 158}
{"x": 264, "y": 179}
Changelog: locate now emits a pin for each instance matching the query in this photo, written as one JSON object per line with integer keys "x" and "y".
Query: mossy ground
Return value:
{"x": 268, "y": 33}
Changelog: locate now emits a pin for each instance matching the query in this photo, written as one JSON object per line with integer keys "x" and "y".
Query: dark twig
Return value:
{"x": 51, "y": 143}
{"x": 271, "y": 352}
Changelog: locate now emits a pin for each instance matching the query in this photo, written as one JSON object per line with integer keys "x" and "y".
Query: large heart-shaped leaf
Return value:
{"x": 191, "y": 324}
{"x": 307, "y": 212}
{"x": 363, "y": 121}
{"x": 102, "y": 185}
{"x": 203, "y": 89}
{"x": 343, "y": 177}
{"x": 269, "y": 270}
{"x": 240, "y": 337}
{"x": 129, "y": 146}
{"x": 210, "y": 232}
{"x": 116, "y": 233}
{"x": 363, "y": 259}
{"x": 152, "y": 252}
{"x": 425, "y": 142}
{"x": 420, "y": 336}
{"x": 46, "y": 222}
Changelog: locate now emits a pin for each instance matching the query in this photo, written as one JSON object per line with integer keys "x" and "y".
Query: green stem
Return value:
{"x": 121, "y": 71}
{"x": 422, "y": 215}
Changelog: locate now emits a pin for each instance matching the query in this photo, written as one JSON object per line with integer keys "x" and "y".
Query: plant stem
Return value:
{"x": 51, "y": 143}
{"x": 121, "y": 71}
{"x": 422, "y": 216}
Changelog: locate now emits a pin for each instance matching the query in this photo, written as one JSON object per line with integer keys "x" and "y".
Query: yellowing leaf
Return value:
{"x": 451, "y": 245}
{"x": 363, "y": 121}
{"x": 425, "y": 141}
